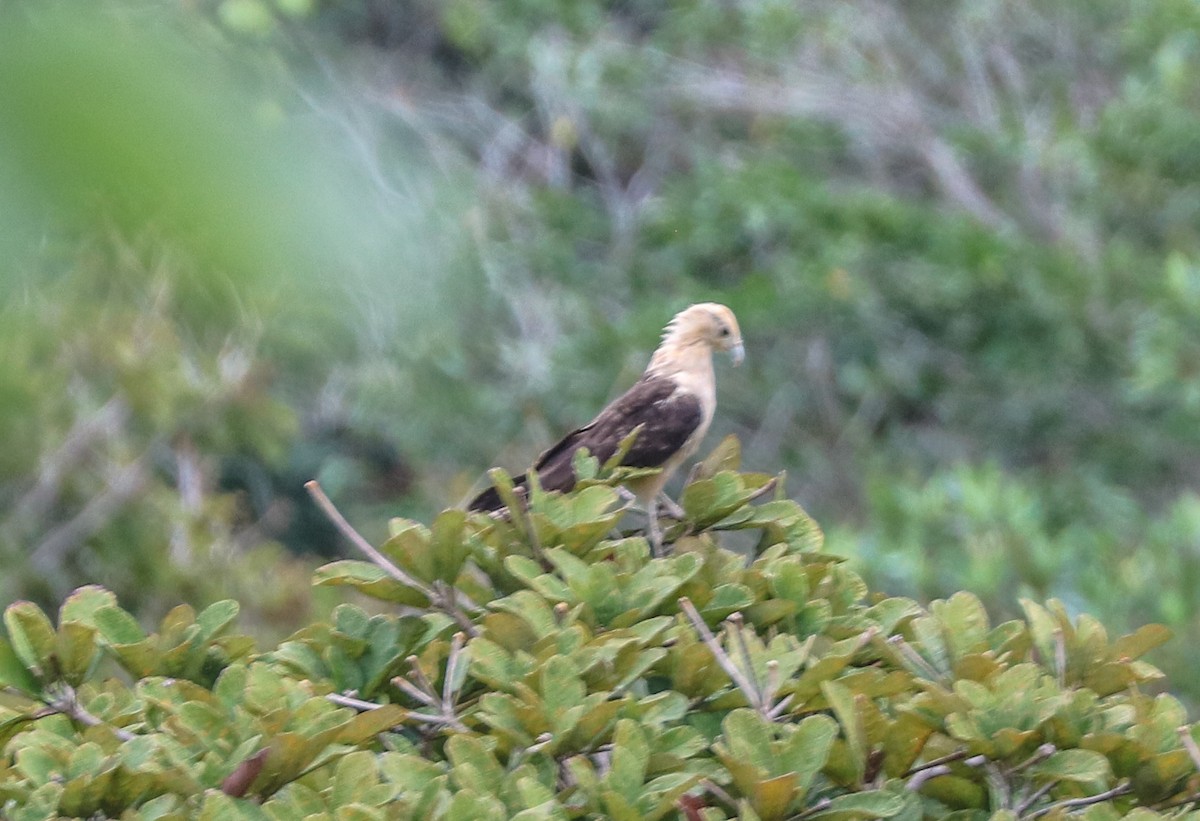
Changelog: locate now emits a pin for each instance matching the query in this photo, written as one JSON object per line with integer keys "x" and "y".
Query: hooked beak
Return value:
{"x": 737, "y": 353}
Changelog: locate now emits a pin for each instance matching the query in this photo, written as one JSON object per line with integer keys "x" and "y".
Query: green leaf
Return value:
{"x": 749, "y": 737}
{"x": 1142, "y": 641}
{"x": 844, "y": 705}
{"x": 76, "y": 650}
{"x": 727, "y": 455}
{"x": 772, "y": 797}
{"x": 562, "y": 692}
{"x": 82, "y": 604}
{"x": 866, "y": 804}
{"x": 32, "y": 636}
{"x": 216, "y": 618}
{"x": 630, "y": 755}
{"x": 806, "y": 750}
{"x": 116, "y": 626}
{"x": 1083, "y": 766}
{"x": 622, "y": 449}
{"x": 369, "y": 579}
{"x": 14, "y": 673}
{"x": 371, "y": 723}
{"x": 448, "y": 545}
{"x": 473, "y": 766}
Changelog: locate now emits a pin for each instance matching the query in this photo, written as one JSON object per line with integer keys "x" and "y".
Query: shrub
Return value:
{"x": 547, "y": 666}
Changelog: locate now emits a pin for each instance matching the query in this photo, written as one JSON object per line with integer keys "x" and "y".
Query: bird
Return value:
{"x": 671, "y": 405}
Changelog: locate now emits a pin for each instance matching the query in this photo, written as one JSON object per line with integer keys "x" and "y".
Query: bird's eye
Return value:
{"x": 724, "y": 331}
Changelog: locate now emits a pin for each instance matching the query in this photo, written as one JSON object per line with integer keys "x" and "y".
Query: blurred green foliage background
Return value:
{"x": 390, "y": 243}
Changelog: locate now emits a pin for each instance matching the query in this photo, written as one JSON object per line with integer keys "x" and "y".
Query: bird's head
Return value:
{"x": 707, "y": 323}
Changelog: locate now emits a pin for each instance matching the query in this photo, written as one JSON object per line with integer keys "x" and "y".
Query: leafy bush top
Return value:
{"x": 547, "y": 667}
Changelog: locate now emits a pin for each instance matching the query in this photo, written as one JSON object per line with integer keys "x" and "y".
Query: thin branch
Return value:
{"x": 719, "y": 793}
{"x": 820, "y": 806}
{"x": 1039, "y": 755}
{"x": 1182, "y": 802}
{"x": 1060, "y": 656}
{"x": 915, "y": 659}
{"x": 918, "y": 780}
{"x": 774, "y": 679}
{"x": 737, "y": 626}
{"x": 420, "y": 679}
{"x": 1036, "y": 795}
{"x": 535, "y": 543}
{"x": 439, "y": 600}
{"x": 767, "y": 487}
{"x": 453, "y": 661}
{"x": 414, "y": 692}
{"x": 723, "y": 659}
{"x": 356, "y": 538}
{"x": 67, "y": 704}
{"x": 1085, "y": 801}
{"x": 778, "y": 709}
{"x": 354, "y": 703}
{"x": 1189, "y": 744}
{"x": 366, "y": 706}
{"x": 937, "y": 762}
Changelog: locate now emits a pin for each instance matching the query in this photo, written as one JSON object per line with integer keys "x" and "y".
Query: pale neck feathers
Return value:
{"x": 687, "y": 344}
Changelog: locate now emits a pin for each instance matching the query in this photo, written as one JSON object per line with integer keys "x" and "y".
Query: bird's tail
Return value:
{"x": 489, "y": 500}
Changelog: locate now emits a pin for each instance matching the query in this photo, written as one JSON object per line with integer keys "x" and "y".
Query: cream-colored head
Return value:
{"x": 708, "y": 325}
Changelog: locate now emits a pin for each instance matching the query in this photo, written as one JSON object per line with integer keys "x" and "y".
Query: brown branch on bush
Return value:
{"x": 440, "y": 600}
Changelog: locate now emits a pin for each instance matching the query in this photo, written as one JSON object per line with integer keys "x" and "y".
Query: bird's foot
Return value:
{"x": 671, "y": 507}
{"x": 654, "y": 536}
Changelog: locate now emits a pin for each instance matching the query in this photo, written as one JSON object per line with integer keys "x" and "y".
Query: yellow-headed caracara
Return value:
{"x": 673, "y": 402}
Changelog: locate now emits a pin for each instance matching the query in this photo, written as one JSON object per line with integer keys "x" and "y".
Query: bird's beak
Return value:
{"x": 737, "y": 353}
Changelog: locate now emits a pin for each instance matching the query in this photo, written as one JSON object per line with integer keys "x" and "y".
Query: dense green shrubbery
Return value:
{"x": 548, "y": 667}
{"x": 962, "y": 237}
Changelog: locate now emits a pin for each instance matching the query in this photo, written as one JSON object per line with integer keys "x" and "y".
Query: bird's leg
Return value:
{"x": 670, "y": 507}
{"x": 653, "y": 531}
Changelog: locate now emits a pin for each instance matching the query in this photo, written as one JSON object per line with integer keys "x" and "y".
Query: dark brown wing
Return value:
{"x": 667, "y": 418}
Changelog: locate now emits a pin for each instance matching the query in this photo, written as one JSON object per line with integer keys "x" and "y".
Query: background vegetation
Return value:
{"x": 390, "y": 244}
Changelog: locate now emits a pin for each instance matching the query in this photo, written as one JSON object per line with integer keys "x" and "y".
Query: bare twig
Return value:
{"x": 1043, "y": 752}
{"x": 918, "y": 779}
{"x": 1189, "y": 744}
{"x": 64, "y": 701}
{"x": 453, "y": 662}
{"x": 356, "y": 703}
{"x": 356, "y": 538}
{"x": 414, "y": 692}
{"x": 1060, "y": 656}
{"x": 753, "y": 696}
{"x": 535, "y": 543}
{"x": 446, "y": 603}
{"x": 1036, "y": 795}
{"x": 718, "y": 792}
{"x": 916, "y": 661}
{"x": 1181, "y": 802}
{"x": 937, "y": 762}
{"x": 419, "y": 677}
{"x": 422, "y": 689}
{"x": 737, "y": 626}
{"x": 767, "y": 487}
{"x": 1084, "y": 801}
{"x": 366, "y": 706}
{"x": 820, "y": 806}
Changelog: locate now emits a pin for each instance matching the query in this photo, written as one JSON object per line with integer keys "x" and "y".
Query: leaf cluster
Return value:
{"x": 546, "y": 666}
